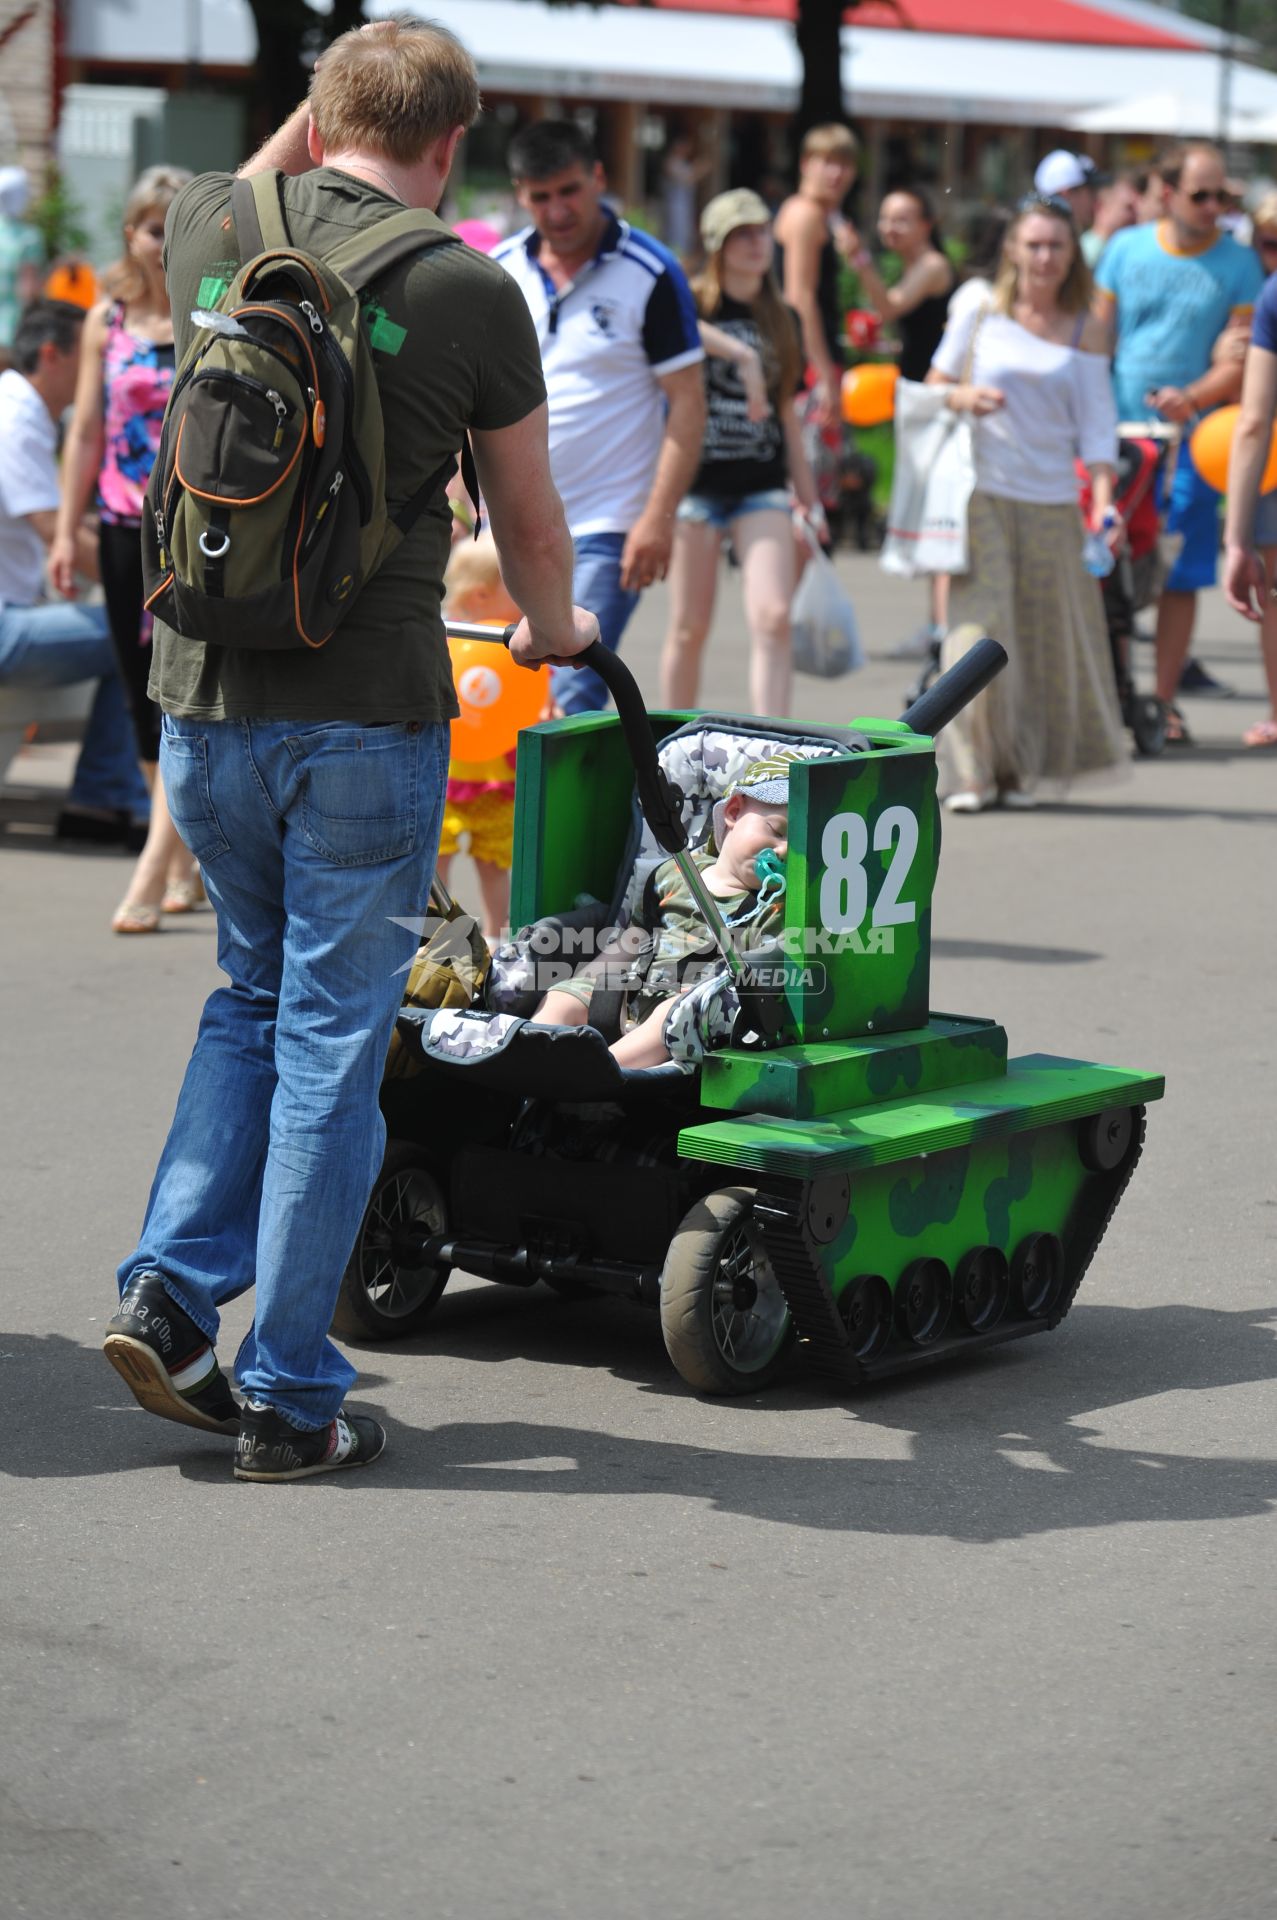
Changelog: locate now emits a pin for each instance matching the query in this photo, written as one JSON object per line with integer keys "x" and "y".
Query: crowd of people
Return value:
{"x": 623, "y": 422}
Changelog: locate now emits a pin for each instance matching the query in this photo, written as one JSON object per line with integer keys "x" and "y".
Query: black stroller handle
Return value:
{"x": 950, "y": 693}
{"x": 658, "y": 799}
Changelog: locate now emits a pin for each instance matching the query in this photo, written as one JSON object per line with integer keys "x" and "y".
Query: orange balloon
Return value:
{"x": 869, "y": 394}
{"x": 497, "y": 698}
{"x": 1211, "y": 444}
{"x": 73, "y": 281}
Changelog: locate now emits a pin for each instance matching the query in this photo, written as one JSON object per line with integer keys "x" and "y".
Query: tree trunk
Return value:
{"x": 818, "y": 30}
{"x": 287, "y": 31}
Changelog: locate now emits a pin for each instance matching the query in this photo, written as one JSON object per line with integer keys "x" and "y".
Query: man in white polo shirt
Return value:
{"x": 621, "y": 353}
{"x": 58, "y": 643}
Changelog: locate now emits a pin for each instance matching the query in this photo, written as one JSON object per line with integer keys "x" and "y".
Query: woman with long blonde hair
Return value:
{"x": 1028, "y": 365}
{"x": 126, "y": 371}
{"x": 746, "y": 463}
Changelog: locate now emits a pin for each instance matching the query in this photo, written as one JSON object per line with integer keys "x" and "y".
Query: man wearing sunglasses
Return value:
{"x": 1166, "y": 292}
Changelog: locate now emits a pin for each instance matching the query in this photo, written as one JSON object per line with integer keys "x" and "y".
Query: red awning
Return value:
{"x": 1070, "y": 21}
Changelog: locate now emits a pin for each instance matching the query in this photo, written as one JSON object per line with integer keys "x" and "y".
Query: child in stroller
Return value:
{"x": 682, "y": 998}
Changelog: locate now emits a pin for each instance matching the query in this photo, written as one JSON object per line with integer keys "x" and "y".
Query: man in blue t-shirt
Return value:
{"x": 1252, "y": 523}
{"x": 1168, "y": 291}
{"x": 621, "y": 353}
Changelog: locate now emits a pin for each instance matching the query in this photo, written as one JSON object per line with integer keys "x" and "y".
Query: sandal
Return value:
{"x": 183, "y": 896}
{"x": 1262, "y": 734}
{"x": 1177, "y": 733}
{"x": 135, "y": 916}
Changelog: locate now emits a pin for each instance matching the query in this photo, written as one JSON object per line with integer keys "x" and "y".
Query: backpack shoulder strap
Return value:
{"x": 364, "y": 256}
{"x": 257, "y": 208}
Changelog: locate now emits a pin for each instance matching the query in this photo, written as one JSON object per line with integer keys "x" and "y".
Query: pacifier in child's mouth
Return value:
{"x": 770, "y": 869}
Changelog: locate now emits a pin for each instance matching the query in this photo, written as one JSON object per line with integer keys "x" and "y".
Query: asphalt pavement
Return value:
{"x": 990, "y": 1642}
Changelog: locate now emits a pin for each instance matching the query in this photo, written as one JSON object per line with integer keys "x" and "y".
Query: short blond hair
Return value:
{"x": 394, "y": 88}
{"x": 474, "y": 565}
{"x": 832, "y": 142}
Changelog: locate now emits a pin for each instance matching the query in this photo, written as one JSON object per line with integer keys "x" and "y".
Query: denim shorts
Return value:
{"x": 1266, "y": 520}
{"x": 719, "y": 510}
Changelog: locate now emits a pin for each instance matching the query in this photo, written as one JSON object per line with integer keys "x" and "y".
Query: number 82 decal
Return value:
{"x": 844, "y": 885}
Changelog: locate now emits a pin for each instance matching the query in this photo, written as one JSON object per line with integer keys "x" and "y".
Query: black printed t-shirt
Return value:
{"x": 453, "y": 347}
{"x": 740, "y": 455}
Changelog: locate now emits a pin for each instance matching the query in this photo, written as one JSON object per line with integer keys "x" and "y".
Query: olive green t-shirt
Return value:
{"x": 454, "y": 347}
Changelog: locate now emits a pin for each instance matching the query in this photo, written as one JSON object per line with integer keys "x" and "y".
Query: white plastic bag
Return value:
{"x": 932, "y": 486}
{"x": 822, "y": 622}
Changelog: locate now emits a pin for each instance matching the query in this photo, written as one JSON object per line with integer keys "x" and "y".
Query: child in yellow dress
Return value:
{"x": 480, "y": 795}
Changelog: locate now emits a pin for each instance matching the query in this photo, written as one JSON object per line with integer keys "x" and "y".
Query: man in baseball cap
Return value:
{"x": 1072, "y": 177}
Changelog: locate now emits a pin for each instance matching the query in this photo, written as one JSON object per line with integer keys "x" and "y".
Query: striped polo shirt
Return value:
{"x": 626, "y": 318}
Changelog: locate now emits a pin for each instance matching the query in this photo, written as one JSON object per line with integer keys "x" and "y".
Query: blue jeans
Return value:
{"x": 316, "y": 840}
{"x": 596, "y": 586}
{"x": 54, "y": 646}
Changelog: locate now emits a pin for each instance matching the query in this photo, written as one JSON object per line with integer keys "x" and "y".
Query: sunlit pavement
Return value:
{"x": 992, "y": 1643}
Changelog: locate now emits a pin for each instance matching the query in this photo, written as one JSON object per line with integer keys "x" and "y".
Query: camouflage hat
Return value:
{"x": 727, "y": 211}
{"x": 766, "y": 781}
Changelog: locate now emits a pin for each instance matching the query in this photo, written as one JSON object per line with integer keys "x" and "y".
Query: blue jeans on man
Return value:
{"x": 54, "y": 645}
{"x": 317, "y": 843}
{"x": 596, "y": 586}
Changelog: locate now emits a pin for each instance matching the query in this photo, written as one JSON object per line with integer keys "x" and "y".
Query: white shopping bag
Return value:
{"x": 932, "y": 486}
{"x": 822, "y": 622}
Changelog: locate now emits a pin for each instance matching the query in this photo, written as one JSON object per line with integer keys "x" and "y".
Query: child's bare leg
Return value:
{"x": 494, "y": 892}
{"x": 644, "y": 1045}
{"x": 442, "y": 866}
{"x": 560, "y": 1009}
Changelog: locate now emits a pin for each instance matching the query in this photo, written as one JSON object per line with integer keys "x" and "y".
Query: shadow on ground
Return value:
{"x": 999, "y": 1446}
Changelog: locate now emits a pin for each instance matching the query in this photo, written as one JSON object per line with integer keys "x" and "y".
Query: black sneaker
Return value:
{"x": 166, "y": 1362}
{"x": 269, "y": 1448}
{"x": 1197, "y": 681}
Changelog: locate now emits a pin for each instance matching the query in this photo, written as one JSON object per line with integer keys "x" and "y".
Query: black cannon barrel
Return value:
{"x": 950, "y": 693}
{"x": 660, "y": 805}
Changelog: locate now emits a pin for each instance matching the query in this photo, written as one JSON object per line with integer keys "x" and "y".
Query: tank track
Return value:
{"x": 784, "y": 1215}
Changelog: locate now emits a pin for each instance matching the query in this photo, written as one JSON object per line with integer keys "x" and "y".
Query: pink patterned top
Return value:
{"x": 136, "y": 377}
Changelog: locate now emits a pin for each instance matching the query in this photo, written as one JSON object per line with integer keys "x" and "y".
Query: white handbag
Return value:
{"x": 932, "y": 486}
{"x": 934, "y": 477}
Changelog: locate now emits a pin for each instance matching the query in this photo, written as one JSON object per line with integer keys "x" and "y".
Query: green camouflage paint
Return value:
{"x": 863, "y": 843}
{"x": 808, "y": 1081}
{"x": 993, "y": 1193}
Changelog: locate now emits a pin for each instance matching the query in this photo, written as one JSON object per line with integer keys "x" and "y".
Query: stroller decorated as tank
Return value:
{"x": 854, "y": 1175}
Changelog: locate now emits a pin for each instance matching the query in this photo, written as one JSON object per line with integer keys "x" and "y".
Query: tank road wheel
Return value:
{"x": 865, "y": 1307}
{"x": 923, "y": 1299}
{"x": 381, "y": 1297}
{"x": 723, "y": 1315}
{"x": 982, "y": 1287}
{"x": 1103, "y": 1140}
{"x": 1037, "y": 1274}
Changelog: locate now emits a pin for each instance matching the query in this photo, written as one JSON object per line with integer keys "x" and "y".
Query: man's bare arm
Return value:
{"x": 45, "y": 523}
{"x": 646, "y": 554}
{"x": 287, "y": 149}
{"x": 532, "y": 539}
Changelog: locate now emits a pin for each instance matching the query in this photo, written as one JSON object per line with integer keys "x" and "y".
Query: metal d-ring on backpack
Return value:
{"x": 266, "y": 509}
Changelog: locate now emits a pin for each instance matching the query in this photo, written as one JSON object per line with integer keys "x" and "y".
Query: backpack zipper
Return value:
{"x": 358, "y": 471}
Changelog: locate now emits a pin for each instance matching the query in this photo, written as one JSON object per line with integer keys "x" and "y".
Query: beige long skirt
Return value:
{"x": 1052, "y": 716}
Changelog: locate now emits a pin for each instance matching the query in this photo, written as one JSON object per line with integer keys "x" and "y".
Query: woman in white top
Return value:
{"x": 1025, "y": 364}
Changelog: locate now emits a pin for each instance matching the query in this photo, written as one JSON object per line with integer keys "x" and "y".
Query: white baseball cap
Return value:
{"x": 1061, "y": 171}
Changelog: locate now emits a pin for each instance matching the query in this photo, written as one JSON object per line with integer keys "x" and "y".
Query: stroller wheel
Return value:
{"x": 1148, "y": 724}
{"x": 726, "y": 1325}
{"x": 386, "y": 1292}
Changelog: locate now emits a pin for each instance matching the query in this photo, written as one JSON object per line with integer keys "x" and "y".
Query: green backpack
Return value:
{"x": 266, "y": 509}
